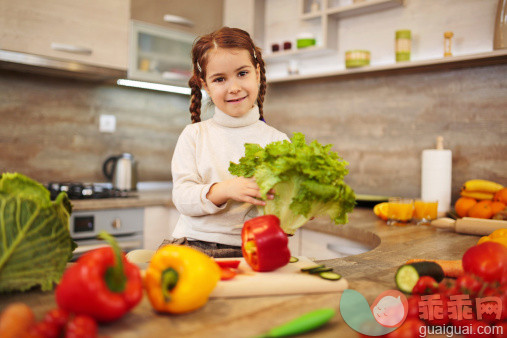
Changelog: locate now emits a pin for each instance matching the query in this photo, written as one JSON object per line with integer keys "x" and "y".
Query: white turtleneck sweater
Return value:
{"x": 201, "y": 158}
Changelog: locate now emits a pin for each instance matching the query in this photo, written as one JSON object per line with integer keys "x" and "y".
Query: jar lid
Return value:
{"x": 404, "y": 34}
{"x": 357, "y": 51}
{"x": 306, "y": 36}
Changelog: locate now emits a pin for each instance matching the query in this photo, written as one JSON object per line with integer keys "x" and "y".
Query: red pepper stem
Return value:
{"x": 115, "y": 276}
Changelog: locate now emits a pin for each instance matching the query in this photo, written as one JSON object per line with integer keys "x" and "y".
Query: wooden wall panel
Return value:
{"x": 380, "y": 125}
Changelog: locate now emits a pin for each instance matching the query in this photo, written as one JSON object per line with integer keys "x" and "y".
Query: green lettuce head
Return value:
{"x": 307, "y": 180}
{"x": 35, "y": 243}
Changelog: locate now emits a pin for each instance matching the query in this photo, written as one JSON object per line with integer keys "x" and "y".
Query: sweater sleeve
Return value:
{"x": 189, "y": 190}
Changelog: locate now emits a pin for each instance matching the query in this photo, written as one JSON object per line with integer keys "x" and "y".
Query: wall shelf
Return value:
{"x": 460, "y": 61}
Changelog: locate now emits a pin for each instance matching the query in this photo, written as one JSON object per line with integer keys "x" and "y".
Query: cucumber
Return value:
{"x": 293, "y": 259}
{"x": 330, "y": 275}
{"x": 407, "y": 275}
{"x": 312, "y": 267}
{"x": 319, "y": 270}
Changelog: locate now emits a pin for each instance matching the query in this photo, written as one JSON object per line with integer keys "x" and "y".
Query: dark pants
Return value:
{"x": 216, "y": 250}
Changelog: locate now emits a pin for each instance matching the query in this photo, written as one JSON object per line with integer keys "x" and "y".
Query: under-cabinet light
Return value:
{"x": 153, "y": 86}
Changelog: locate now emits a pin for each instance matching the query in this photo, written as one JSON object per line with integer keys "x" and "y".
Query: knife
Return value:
{"x": 305, "y": 323}
{"x": 470, "y": 225}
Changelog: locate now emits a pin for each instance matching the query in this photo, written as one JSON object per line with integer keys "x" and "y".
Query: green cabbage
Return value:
{"x": 35, "y": 243}
{"x": 307, "y": 179}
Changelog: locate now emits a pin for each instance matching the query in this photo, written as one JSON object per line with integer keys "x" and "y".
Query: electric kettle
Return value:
{"x": 121, "y": 170}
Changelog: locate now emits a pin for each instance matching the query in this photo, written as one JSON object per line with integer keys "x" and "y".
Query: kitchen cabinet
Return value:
{"x": 93, "y": 32}
{"x": 159, "y": 223}
{"x": 191, "y": 16}
{"x": 159, "y": 54}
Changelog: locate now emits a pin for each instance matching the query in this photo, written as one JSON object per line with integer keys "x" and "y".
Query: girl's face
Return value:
{"x": 232, "y": 81}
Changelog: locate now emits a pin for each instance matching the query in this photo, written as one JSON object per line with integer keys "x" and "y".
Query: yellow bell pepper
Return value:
{"x": 180, "y": 279}
{"x": 499, "y": 236}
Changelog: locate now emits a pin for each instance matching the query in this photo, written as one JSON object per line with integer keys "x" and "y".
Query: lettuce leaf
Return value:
{"x": 35, "y": 242}
{"x": 307, "y": 179}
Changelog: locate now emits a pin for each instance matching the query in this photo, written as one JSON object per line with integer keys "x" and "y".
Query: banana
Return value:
{"x": 478, "y": 195}
{"x": 481, "y": 185}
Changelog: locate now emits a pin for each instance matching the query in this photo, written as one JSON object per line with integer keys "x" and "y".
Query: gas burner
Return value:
{"x": 86, "y": 190}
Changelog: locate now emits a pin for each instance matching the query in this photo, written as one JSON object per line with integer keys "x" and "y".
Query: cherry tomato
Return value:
{"x": 58, "y": 317}
{"x": 440, "y": 313}
{"x": 469, "y": 284}
{"x": 81, "y": 326}
{"x": 45, "y": 330}
{"x": 499, "y": 330}
{"x": 426, "y": 285}
{"x": 413, "y": 306}
{"x": 412, "y": 327}
{"x": 487, "y": 260}
{"x": 479, "y": 329}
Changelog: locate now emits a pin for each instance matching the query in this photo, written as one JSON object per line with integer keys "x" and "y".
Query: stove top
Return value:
{"x": 76, "y": 190}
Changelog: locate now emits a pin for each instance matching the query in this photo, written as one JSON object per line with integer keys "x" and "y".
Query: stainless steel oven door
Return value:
{"x": 126, "y": 225}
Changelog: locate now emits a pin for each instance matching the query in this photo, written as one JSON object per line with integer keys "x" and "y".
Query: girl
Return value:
{"x": 214, "y": 204}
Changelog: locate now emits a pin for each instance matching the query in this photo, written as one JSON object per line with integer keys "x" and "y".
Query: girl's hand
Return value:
{"x": 239, "y": 189}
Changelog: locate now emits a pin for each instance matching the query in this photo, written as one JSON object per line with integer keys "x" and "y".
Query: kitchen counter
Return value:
{"x": 136, "y": 199}
{"x": 369, "y": 273}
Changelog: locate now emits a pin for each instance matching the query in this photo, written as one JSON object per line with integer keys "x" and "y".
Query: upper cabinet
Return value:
{"x": 191, "y": 16}
{"x": 93, "y": 32}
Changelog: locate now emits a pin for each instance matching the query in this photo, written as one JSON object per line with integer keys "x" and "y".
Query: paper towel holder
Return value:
{"x": 440, "y": 142}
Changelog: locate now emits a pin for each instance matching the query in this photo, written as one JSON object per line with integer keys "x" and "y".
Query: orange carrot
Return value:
{"x": 452, "y": 268}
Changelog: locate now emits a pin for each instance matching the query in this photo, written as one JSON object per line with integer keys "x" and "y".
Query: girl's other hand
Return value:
{"x": 239, "y": 189}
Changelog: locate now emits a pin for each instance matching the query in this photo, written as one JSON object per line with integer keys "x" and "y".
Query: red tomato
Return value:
{"x": 441, "y": 314}
{"x": 45, "y": 330}
{"x": 487, "y": 260}
{"x": 412, "y": 327}
{"x": 426, "y": 285}
{"x": 81, "y": 326}
{"x": 479, "y": 329}
{"x": 413, "y": 306}
{"x": 227, "y": 273}
{"x": 500, "y": 330}
{"x": 228, "y": 264}
{"x": 469, "y": 284}
{"x": 58, "y": 317}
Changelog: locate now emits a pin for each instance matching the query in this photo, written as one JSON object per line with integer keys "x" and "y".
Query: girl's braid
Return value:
{"x": 195, "y": 99}
{"x": 262, "y": 87}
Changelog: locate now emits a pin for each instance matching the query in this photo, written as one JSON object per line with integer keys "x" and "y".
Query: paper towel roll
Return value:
{"x": 436, "y": 175}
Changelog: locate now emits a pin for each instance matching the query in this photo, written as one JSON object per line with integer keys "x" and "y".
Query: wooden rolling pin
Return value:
{"x": 470, "y": 225}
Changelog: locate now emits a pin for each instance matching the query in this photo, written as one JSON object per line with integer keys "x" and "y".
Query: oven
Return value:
{"x": 125, "y": 224}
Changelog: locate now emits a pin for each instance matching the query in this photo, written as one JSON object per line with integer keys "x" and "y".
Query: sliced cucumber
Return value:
{"x": 407, "y": 275}
{"x": 330, "y": 275}
{"x": 312, "y": 267}
{"x": 293, "y": 259}
{"x": 319, "y": 270}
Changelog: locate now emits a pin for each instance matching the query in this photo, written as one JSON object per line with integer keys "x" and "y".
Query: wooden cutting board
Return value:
{"x": 288, "y": 280}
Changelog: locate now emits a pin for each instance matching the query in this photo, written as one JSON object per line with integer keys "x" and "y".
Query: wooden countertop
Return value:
{"x": 369, "y": 273}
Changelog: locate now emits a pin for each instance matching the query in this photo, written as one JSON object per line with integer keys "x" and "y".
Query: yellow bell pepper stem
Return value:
{"x": 180, "y": 279}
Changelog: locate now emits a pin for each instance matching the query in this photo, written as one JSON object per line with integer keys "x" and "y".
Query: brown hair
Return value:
{"x": 225, "y": 37}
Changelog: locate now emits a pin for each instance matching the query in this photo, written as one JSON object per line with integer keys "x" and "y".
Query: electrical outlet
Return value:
{"x": 107, "y": 123}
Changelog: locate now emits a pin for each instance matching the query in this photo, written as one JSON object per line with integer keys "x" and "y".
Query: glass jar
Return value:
{"x": 403, "y": 45}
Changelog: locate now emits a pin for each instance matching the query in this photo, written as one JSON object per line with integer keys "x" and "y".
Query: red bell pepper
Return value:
{"x": 101, "y": 284}
{"x": 264, "y": 243}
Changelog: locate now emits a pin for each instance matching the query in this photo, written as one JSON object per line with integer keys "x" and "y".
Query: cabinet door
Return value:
{"x": 94, "y": 32}
{"x": 159, "y": 223}
{"x": 160, "y": 54}
{"x": 196, "y": 16}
